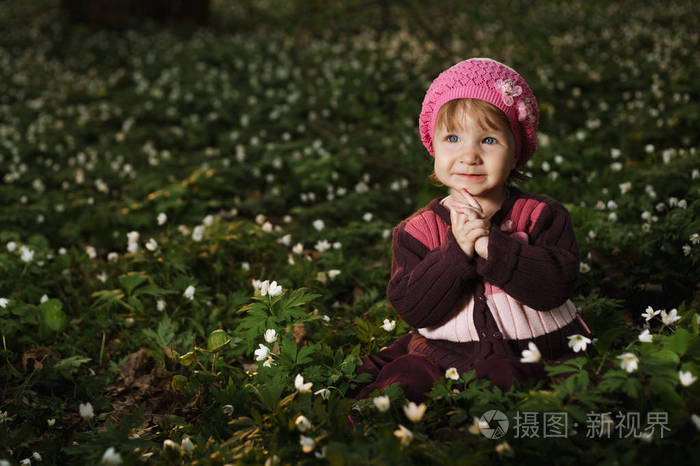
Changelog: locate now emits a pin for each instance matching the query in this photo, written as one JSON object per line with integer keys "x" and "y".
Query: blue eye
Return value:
{"x": 452, "y": 138}
{"x": 489, "y": 140}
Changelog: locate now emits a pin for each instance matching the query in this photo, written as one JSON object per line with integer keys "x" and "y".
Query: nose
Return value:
{"x": 470, "y": 154}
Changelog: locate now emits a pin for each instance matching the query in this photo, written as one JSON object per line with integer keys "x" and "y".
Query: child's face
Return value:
{"x": 474, "y": 157}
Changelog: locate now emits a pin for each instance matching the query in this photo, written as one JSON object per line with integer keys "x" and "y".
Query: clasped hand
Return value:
{"x": 470, "y": 226}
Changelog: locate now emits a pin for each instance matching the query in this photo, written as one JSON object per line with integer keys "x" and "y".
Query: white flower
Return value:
{"x": 169, "y": 444}
{"x": 36, "y": 456}
{"x": 260, "y": 219}
{"x": 133, "y": 237}
{"x": 686, "y": 249}
{"x": 695, "y": 238}
{"x": 267, "y": 227}
{"x": 629, "y": 362}
{"x": 307, "y": 444}
{"x": 682, "y": 203}
{"x": 318, "y": 224}
{"x": 12, "y": 246}
{"x": 696, "y": 420}
{"x": 612, "y": 217}
{"x": 4, "y": 417}
{"x": 477, "y": 425}
{"x": 503, "y": 448}
{"x": 102, "y": 276}
{"x": 584, "y": 267}
{"x": 111, "y": 457}
{"x": 160, "y": 305}
{"x": 367, "y": 217}
{"x": 324, "y": 393}
{"x": 187, "y": 445}
{"x": 333, "y": 273}
{"x": 43, "y": 298}
{"x": 208, "y": 220}
{"x": 452, "y": 373}
{"x": 532, "y": 354}
{"x": 686, "y": 378}
{"x": 198, "y": 233}
{"x": 189, "y": 292}
{"x": 615, "y": 153}
{"x": 26, "y": 461}
{"x": 389, "y": 325}
{"x": 86, "y": 411}
{"x": 227, "y": 409}
{"x": 649, "y": 148}
{"x": 112, "y": 256}
{"x": 162, "y": 218}
{"x": 270, "y": 335}
{"x": 286, "y": 239}
{"x": 649, "y": 313}
{"x": 301, "y": 386}
{"x": 298, "y": 248}
{"x": 337, "y": 245}
{"x": 404, "y": 435}
{"x": 262, "y": 352}
{"x": 151, "y": 245}
{"x": 91, "y": 252}
{"x": 645, "y": 336}
{"x": 51, "y": 422}
{"x": 3, "y": 302}
{"x": 322, "y": 246}
{"x": 670, "y": 317}
{"x": 302, "y": 423}
{"x": 274, "y": 290}
{"x": 27, "y": 254}
{"x": 245, "y": 266}
{"x": 578, "y": 342}
{"x": 414, "y": 412}
{"x": 382, "y": 403}
{"x": 625, "y": 187}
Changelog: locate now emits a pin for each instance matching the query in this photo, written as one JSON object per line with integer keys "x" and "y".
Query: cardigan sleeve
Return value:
{"x": 427, "y": 286}
{"x": 542, "y": 273}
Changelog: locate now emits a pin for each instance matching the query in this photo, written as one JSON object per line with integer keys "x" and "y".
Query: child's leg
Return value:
{"x": 414, "y": 372}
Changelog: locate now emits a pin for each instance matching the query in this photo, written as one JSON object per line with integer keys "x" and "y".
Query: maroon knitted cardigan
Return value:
{"x": 431, "y": 276}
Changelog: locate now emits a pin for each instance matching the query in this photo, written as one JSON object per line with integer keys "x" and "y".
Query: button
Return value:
{"x": 497, "y": 335}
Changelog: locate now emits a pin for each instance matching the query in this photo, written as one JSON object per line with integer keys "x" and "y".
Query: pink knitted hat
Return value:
{"x": 490, "y": 81}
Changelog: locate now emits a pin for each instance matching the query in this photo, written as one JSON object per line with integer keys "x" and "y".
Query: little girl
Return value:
{"x": 488, "y": 269}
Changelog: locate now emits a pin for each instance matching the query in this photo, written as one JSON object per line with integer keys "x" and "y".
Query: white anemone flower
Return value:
{"x": 187, "y": 446}
{"x": 382, "y": 403}
{"x": 414, "y": 412}
{"x": 452, "y": 373}
{"x": 646, "y": 336}
{"x": 111, "y": 457}
{"x": 301, "y": 386}
{"x": 404, "y": 435}
{"x": 649, "y": 313}
{"x": 302, "y": 423}
{"x": 86, "y": 411}
{"x": 670, "y": 317}
{"x": 629, "y": 362}
{"x": 162, "y": 218}
{"x": 686, "y": 378}
{"x": 307, "y": 444}
{"x": 532, "y": 354}
{"x": 262, "y": 352}
{"x": 578, "y": 342}
{"x": 270, "y": 335}
{"x": 318, "y": 224}
{"x": 389, "y": 325}
{"x": 274, "y": 289}
{"x": 189, "y": 292}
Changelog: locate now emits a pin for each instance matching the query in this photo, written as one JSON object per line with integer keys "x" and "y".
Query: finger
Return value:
{"x": 475, "y": 234}
{"x": 471, "y": 201}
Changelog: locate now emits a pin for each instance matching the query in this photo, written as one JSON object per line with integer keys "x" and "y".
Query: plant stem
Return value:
{"x": 102, "y": 349}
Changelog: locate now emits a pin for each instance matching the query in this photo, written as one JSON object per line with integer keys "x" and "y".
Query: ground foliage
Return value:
{"x": 154, "y": 177}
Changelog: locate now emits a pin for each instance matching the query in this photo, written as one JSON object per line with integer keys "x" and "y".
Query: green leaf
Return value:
{"x": 218, "y": 340}
{"x": 68, "y": 366}
{"x": 132, "y": 280}
{"x": 53, "y": 315}
{"x": 679, "y": 341}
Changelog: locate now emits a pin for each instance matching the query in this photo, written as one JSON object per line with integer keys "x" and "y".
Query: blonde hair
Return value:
{"x": 452, "y": 115}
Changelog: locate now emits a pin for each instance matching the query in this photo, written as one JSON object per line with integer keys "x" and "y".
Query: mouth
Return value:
{"x": 471, "y": 176}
